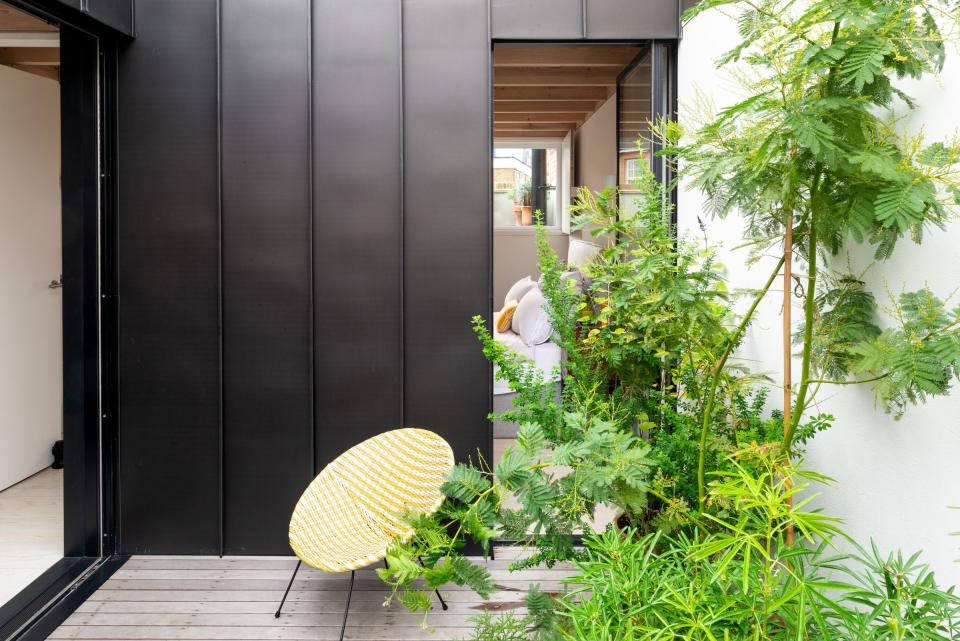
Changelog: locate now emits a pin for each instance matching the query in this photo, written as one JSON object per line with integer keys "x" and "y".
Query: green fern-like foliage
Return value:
{"x": 917, "y": 358}
{"x": 817, "y": 142}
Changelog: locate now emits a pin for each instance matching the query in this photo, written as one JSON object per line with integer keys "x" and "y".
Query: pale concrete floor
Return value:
{"x": 31, "y": 530}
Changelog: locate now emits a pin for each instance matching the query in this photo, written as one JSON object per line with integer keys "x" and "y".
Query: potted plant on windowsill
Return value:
{"x": 523, "y": 199}
{"x": 514, "y": 195}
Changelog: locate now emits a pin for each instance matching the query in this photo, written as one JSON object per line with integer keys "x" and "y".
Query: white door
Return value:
{"x": 31, "y": 343}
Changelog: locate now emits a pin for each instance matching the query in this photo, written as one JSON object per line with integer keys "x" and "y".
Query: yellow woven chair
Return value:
{"x": 351, "y": 513}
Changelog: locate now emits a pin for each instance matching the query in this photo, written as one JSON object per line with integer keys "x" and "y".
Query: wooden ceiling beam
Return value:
{"x": 534, "y": 126}
{"x": 50, "y": 73}
{"x": 564, "y": 56}
{"x": 29, "y": 39}
{"x": 507, "y": 134}
{"x": 559, "y": 116}
{"x": 15, "y": 20}
{"x": 555, "y": 76}
{"x": 531, "y": 106}
{"x": 49, "y": 56}
{"x": 550, "y": 93}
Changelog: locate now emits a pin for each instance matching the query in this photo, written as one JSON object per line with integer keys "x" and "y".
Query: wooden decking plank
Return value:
{"x": 385, "y": 617}
{"x": 205, "y": 620}
{"x": 404, "y": 634}
{"x": 302, "y": 576}
{"x": 269, "y": 607}
{"x": 360, "y": 585}
{"x": 265, "y": 569}
{"x": 274, "y": 596}
{"x": 193, "y": 633}
{"x": 206, "y": 563}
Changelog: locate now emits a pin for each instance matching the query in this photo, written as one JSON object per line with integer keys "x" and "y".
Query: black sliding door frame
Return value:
{"x": 88, "y": 231}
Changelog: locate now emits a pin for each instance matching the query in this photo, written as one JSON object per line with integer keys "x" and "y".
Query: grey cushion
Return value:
{"x": 519, "y": 288}
{"x": 531, "y": 320}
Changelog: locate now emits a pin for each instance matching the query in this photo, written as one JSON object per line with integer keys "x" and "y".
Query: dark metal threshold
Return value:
{"x": 39, "y": 608}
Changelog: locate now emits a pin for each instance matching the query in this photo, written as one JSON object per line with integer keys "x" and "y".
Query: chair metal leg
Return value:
{"x": 443, "y": 604}
{"x": 289, "y": 585}
{"x": 346, "y": 612}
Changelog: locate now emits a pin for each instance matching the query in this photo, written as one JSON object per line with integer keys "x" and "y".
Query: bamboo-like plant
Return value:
{"x": 814, "y": 160}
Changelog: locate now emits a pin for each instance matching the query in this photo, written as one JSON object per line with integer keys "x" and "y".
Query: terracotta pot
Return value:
{"x": 518, "y": 214}
{"x": 526, "y": 216}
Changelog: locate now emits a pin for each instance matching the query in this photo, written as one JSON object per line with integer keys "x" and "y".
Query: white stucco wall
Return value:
{"x": 895, "y": 479}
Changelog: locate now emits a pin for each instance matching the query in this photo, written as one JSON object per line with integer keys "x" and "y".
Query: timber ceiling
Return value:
{"x": 547, "y": 91}
{"x": 28, "y": 43}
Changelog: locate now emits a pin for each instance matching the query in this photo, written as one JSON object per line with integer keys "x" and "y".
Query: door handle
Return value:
{"x": 56, "y": 284}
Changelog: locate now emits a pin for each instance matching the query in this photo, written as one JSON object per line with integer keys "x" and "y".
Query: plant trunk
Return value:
{"x": 809, "y": 313}
{"x": 715, "y": 381}
{"x": 787, "y": 351}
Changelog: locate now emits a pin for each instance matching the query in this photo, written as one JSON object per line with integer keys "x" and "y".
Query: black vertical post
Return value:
{"x": 80, "y": 179}
{"x": 663, "y": 80}
{"x": 538, "y": 171}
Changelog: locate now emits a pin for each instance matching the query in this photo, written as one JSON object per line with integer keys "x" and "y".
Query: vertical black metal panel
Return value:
{"x": 169, "y": 320}
{"x": 113, "y": 13}
{"x": 267, "y": 392}
{"x": 536, "y": 19}
{"x": 447, "y": 218}
{"x": 81, "y": 292}
{"x": 116, "y": 14}
{"x": 357, "y": 221}
{"x": 632, "y": 19}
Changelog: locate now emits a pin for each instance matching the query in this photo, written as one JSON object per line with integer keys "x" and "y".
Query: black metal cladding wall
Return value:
{"x": 304, "y": 215}
{"x": 169, "y": 294}
{"x": 265, "y": 257}
{"x": 447, "y": 228}
{"x": 358, "y": 223}
{"x": 116, "y": 14}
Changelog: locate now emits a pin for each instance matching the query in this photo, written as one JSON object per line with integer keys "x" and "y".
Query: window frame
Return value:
{"x": 533, "y": 143}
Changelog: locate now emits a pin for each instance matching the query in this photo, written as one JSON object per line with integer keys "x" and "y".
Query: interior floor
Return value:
{"x": 31, "y": 530}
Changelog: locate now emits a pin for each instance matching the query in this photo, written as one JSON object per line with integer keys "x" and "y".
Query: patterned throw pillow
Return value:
{"x": 504, "y": 317}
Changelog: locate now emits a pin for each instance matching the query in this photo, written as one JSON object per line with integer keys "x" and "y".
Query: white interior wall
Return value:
{"x": 515, "y": 256}
{"x": 595, "y": 148}
{"x": 30, "y": 332}
{"x": 895, "y": 479}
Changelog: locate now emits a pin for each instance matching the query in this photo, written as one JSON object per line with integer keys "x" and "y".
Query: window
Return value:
{"x": 526, "y": 176}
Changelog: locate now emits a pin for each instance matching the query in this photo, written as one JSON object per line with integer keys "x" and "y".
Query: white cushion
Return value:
{"x": 579, "y": 280}
{"x": 581, "y": 253}
{"x": 518, "y": 289}
{"x": 531, "y": 320}
{"x": 545, "y": 357}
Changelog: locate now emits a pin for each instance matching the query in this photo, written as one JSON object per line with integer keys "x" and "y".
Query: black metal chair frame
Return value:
{"x": 346, "y": 611}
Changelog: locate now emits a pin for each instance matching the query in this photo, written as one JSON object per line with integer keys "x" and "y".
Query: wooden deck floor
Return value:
{"x": 234, "y": 598}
